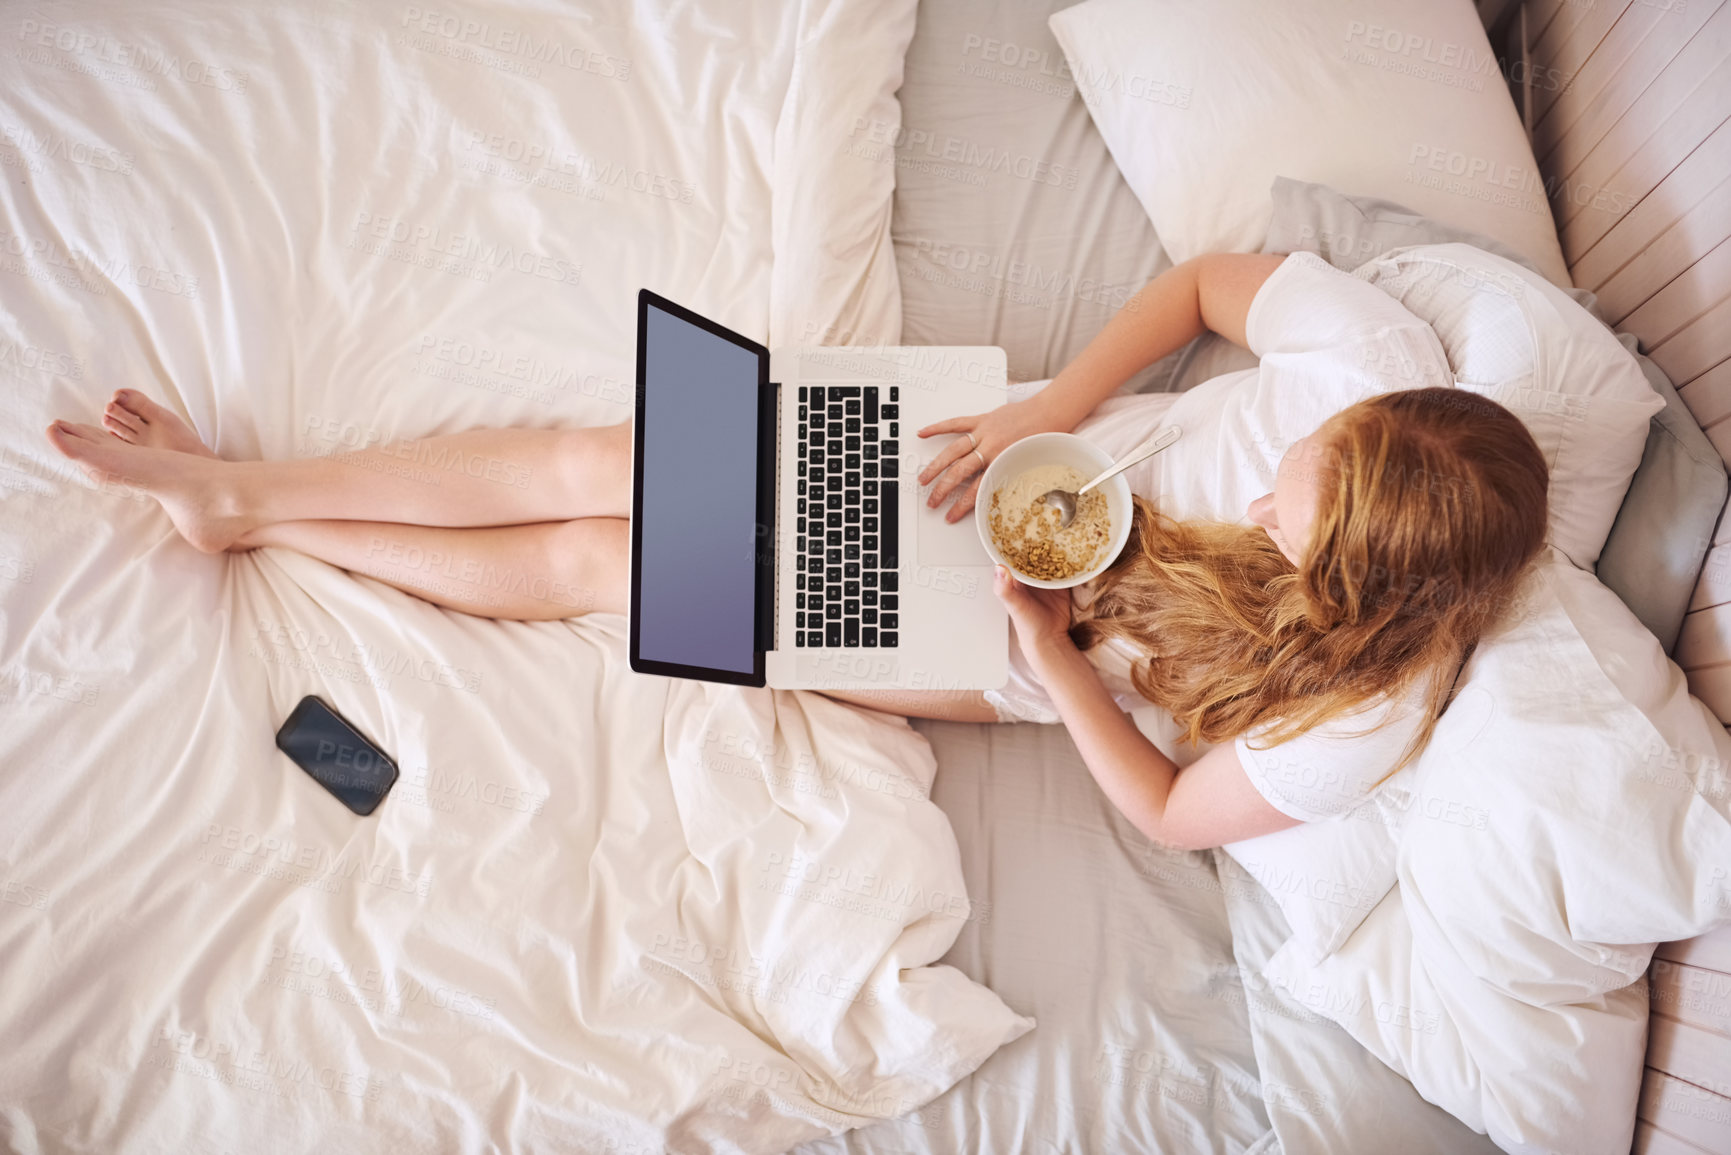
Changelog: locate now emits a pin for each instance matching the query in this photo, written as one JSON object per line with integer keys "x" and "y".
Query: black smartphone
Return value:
{"x": 323, "y": 744}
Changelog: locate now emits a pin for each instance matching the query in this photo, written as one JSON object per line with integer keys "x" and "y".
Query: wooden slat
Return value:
{"x": 1702, "y": 228}
{"x": 1649, "y": 1140}
{"x": 1695, "y": 997}
{"x": 1714, "y": 586}
{"x": 1703, "y": 172}
{"x": 1695, "y": 348}
{"x": 1640, "y": 150}
{"x": 1634, "y": 52}
{"x": 1669, "y": 257}
{"x": 1569, "y": 40}
{"x": 1688, "y": 1112}
{"x": 1722, "y": 531}
{"x": 1688, "y": 296}
{"x": 1540, "y": 13}
{"x": 1709, "y": 395}
{"x": 1719, "y": 433}
{"x": 1712, "y": 951}
{"x": 1690, "y": 1053}
{"x": 1722, "y": 528}
{"x": 1713, "y": 686}
{"x": 1705, "y": 639}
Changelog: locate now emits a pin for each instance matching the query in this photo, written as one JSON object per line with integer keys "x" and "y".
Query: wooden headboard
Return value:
{"x": 1628, "y": 103}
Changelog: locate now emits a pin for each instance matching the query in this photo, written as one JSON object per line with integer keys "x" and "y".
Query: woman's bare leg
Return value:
{"x": 549, "y": 509}
{"x": 484, "y": 477}
{"x": 535, "y": 572}
{"x": 942, "y": 705}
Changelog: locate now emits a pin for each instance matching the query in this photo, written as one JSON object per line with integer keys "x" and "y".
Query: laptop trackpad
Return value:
{"x": 941, "y": 543}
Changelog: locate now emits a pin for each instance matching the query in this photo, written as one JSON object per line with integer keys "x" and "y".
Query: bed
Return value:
{"x": 604, "y": 912}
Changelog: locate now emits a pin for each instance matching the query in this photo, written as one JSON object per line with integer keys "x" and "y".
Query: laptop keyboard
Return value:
{"x": 845, "y": 592}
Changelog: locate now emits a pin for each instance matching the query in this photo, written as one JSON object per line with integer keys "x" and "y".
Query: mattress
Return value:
{"x": 600, "y": 911}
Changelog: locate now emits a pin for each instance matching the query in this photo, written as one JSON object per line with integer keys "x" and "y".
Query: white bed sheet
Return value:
{"x": 1120, "y": 950}
{"x": 600, "y": 911}
{"x": 1013, "y": 226}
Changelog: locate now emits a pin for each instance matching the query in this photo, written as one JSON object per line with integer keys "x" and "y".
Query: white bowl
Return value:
{"x": 1056, "y": 449}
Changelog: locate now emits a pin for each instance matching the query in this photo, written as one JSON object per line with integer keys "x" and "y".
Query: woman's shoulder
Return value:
{"x": 1333, "y": 766}
{"x": 1402, "y": 708}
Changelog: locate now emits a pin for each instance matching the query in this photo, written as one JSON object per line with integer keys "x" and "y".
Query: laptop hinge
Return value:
{"x": 775, "y": 621}
{"x": 768, "y": 632}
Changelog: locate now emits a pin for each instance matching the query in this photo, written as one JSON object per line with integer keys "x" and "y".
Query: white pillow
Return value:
{"x": 1204, "y": 102}
{"x": 1523, "y": 342}
{"x": 1507, "y": 333}
{"x": 1327, "y": 876}
{"x": 1538, "y": 1080}
{"x": 1499, "y": 976}
{"x": 1608, "y": 801}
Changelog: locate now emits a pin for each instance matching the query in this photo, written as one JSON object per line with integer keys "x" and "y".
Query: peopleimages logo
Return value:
{"x": 587, "y": 170}
{"x": 431, "y": 246}
{"x": 54, "y": 146}
{"x": 460, "y": 30}
{"x": 89, "y": 272}
{"x": 1444, "y": 53}
{"x": 919, "y": 143}
{"x": 19, "y": 356}
{"x": 139, "y": 57}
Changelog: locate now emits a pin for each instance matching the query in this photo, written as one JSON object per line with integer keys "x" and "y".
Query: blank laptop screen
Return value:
{"x": 698, "y": 571}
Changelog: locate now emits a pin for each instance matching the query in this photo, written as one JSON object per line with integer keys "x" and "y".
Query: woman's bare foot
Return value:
{"x": 189, "y": 486}
{"x": 135, "y": 418}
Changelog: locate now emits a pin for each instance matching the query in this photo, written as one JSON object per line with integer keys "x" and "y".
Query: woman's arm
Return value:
{"x": 1208, "y": 292}
{"x": 1208, "y": 803}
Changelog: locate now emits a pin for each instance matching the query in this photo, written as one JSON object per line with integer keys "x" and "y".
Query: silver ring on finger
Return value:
{"x": 972, "y": 444}
{"x": 982, "y": 458}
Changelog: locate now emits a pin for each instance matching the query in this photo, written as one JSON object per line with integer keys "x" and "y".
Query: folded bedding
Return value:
{"x": 600, "y": 911}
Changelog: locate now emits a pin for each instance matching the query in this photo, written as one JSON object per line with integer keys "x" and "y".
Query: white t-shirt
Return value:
{"x": 1319, "y": 332}
{"x": 1332, "y": 767}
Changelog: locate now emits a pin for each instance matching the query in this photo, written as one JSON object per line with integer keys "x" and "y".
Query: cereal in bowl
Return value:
{"x": 1026, "y": 530}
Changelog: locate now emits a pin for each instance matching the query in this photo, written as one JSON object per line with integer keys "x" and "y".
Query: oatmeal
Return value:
{"x": 1026, "y": 529}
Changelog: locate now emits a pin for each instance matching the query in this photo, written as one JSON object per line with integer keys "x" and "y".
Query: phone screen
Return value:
{"x": 337, "y": 756}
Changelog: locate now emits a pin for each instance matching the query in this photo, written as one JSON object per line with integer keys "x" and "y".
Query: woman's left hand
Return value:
{"x": 1041, "y": 617}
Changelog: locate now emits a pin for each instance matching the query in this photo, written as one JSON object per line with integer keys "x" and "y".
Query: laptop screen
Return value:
{"x": 696, "y": 537}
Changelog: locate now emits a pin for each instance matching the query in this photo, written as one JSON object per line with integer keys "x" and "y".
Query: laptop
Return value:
{"x": 779, "y": 534}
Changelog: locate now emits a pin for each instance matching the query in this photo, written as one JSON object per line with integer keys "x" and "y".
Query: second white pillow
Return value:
{"x": 1204, "y": 102}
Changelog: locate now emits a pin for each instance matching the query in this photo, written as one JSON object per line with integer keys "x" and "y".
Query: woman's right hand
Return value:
{"x": 958, "y": 469}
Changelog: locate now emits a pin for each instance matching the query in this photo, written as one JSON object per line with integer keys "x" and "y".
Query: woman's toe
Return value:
{"x": 65, "y": 438}
{"x": 126, "y": 417}
{"x": 142, "y": 406}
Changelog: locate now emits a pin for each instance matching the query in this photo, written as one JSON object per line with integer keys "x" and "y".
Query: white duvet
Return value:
{"x": 600, "y": 911}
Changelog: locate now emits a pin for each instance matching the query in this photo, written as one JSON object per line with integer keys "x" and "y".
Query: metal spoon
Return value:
{"x": 1065, "y": 501}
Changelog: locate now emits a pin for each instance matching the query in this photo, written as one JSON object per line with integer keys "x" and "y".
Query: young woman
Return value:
{"x": 1322, "y": 640}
